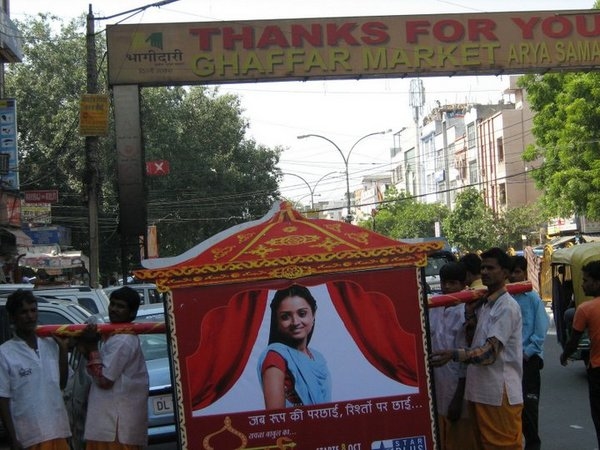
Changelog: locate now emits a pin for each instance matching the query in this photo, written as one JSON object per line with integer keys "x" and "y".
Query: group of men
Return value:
{"x": 487, "y": 356}
{"x": 34, "y": 371}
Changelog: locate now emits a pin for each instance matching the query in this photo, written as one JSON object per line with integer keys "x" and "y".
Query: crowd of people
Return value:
{"x": 487, "y": 356}
{"x": 34, "y": 370}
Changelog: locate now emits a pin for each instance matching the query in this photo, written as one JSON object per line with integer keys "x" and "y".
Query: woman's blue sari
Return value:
{"x": 312, "y": 381}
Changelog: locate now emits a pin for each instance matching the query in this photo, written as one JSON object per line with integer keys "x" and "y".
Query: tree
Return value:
{"x": 471, "y": 225}
{"x": 401, "y": 216}
{"x": 218, "y": 177}
{"x": 47, "y": 86}
{"x": 518, "y": 222}
{"x": 567, "y": 131}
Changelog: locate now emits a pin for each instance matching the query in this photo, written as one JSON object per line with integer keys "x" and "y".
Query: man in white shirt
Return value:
{"x": 33, "y": 371}
{"x": 495, "y": 364}
{"x": 117, "y": 415}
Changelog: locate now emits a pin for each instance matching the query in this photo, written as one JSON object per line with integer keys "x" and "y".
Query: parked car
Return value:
{"x": 50, "y": 312}
{"x": 94, "y": 300}
{"x": 435, "y": 260}
{"x": 161, "y": 413}
{"x": 148, "y": 292}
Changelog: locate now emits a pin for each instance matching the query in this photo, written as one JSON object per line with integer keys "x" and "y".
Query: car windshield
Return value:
{"x": 154, "y": 346}
{"x": 434, "y": 265}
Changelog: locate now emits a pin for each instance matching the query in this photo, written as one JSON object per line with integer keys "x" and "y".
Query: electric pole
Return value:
{"x": 91, "y": 156}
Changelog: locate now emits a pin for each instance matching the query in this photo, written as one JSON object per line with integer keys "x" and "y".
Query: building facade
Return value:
{"x": 463, "y": 145}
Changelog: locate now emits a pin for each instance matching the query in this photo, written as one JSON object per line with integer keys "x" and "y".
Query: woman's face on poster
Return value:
{"x": 295, "y": 319}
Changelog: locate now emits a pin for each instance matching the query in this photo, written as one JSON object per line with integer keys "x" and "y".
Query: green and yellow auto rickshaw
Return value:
{"x": 567, "y": 290}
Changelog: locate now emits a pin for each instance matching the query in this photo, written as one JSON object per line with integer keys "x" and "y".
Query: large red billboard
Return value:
{"x": 361, "y": 380}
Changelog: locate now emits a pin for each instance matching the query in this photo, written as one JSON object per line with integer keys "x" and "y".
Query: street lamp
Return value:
{"x": 311, "y": 189}
{"x": 346, "y": 159}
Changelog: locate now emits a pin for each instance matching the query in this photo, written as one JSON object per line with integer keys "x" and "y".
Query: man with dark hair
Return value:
{"x": 587, "y": 317}
{"x": 445, "y": 323}
{"x": 494, "y": 372}
{"x": 117, "y": 415}
{"x": 535, "y": 327}
{"x": 472, "y": 262}
{"x": 33, "y": 371}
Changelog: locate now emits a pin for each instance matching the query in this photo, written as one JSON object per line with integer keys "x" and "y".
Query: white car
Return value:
{"x": 148, "y": 292}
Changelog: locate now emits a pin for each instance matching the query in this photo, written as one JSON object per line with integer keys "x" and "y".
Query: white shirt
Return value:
{"x": 486, "y": 384}
{"x": 126, "y": 403}
{"x": 446, "y": 325}
{"x": 32, "y": 382}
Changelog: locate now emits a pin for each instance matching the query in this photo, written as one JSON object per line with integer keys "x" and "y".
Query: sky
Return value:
{"x": 341, "y": 110}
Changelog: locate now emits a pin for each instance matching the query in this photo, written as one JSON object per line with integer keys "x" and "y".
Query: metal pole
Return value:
{"x": 312, "y": 203}
{"x": 311, "y": 190}
{"x": 346, "y": 159}
{"x": 91, "y": 152}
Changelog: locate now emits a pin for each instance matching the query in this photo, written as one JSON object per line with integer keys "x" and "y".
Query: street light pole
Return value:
{"x": 346, "y": 159}
{"x": 312, "y": 190}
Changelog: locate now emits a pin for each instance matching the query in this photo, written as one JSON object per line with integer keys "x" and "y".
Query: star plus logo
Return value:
{"x": 409, "y": 443}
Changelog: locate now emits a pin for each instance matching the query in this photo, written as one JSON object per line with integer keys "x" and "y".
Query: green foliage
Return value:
{"x": 218, "y": 177}
{"x": 518, "y": 222}
{"x": 402, "y": 216}
{"x": 47, "y": 86}
{"x": 471, "y": 226}
{"x": 567, "y": 131}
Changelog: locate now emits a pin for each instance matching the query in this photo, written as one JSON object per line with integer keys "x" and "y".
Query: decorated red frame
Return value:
{"x": 370, "y": 327}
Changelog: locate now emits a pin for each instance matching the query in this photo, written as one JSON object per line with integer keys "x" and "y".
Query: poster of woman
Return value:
{"x": 349, "y": 374}
{"x": 295, "y": 333}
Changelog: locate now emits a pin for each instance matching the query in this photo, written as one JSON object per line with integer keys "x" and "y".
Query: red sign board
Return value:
{"x": 157, "y": 168}
{"x": 49, "y": 196}
{"x": 366, "y": 385}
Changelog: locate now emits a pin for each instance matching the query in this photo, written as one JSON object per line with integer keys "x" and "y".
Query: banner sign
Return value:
{"x": 369, "y": 339}
{"x": 8, "y": 143}
{"x": 93, "y": 115}
{"x": 38, "y": 213}
{"x": 354, "y": 47}
{"x": 157, "y": 168}
{"x": 48, "y": 196}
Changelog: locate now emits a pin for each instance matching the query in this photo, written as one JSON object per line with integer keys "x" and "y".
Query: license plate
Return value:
{"x": 163, "y": 404}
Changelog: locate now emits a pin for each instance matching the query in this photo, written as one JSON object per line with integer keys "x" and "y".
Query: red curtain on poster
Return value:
{"x": 371, "y": 320}
{"x": 227, "y": 335}
{"x": 369, "y": 317}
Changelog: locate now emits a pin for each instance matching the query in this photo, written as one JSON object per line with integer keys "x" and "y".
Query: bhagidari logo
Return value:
{"x": 408, "y": 443}
{"x": 143, "y": 41}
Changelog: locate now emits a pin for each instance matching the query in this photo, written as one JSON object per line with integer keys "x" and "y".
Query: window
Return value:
{"x": 4, "y": 163}
{"x": 439, "y": 160}
{"x": 473, "y": 172}
{"x": 52, "y": 318}
{"x": 399, "y": 173}
{"x": 471, "y": 135}
{"x": 462, "y": 169}
{"x": 502, "y": 194}
{"x": 500, "y": 148}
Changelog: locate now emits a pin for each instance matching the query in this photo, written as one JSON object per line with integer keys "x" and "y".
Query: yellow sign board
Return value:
{"x": 93, "y": 115}
{"x": 353, "y": 47}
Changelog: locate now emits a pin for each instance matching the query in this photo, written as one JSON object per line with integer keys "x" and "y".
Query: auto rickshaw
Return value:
{"x": 567, "y": 290}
